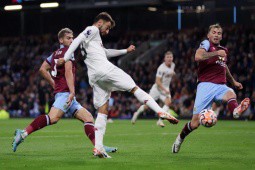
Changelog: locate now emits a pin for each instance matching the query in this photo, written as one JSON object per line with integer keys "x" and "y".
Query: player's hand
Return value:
{"x": 52, "y": 84}
{"x": 70, "y": 99}
{"x": 222, "y": 53}
{"x": 238, "y": 85}
{"x": 167, "y": 91}
{"x": 131, "y": 48}
{"x": 61, "y": 61}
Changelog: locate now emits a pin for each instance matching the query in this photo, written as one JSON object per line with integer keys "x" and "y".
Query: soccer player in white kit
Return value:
{"x": 160, "y": 89}
{"x": 104, "y": 77}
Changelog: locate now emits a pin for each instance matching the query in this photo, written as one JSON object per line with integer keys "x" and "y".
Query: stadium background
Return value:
{"x": 28, "y": 36}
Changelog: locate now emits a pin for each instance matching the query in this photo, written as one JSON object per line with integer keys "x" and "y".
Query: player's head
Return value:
{"x": 168, "y": 59}
{"x": 104, "y": 22}
{"x": 65, "y": 36}
{"x": 215, "y": 33}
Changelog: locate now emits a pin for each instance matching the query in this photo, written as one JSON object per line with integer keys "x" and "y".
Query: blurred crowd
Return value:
{"x": 23, "y": 92}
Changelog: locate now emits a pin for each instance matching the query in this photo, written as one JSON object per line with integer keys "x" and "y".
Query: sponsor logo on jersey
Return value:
{"x": 221, "y": 61}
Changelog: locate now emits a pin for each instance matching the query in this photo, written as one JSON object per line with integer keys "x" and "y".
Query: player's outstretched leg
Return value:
{"x": 137, "y": 113}
{"x": 242, "y": 107}
{"x": 187, "y": 129}
{"x": 39, "y": 123}
{"x": 145, "y": 98}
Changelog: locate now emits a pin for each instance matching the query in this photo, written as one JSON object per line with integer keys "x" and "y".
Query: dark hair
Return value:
{"x": 106, "y": 17}
{"x": 63, "y": 31}
{"x": 214, "y": 26}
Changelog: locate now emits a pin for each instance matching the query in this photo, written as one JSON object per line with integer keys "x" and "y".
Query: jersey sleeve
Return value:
{"x": 160, "y": 72}
{"x": 205, "y": 45}
{"x": 114, "y": 53}
{"x": 89, "y": 33}
{"x": 48, "y": 59}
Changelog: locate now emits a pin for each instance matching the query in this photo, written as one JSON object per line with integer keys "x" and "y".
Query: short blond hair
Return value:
{"x": 168, "y": 53}
{"x": 217, "y": 25}
{"x": 63, "y": 31}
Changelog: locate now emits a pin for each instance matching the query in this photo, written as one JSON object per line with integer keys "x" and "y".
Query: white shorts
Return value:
{"x": 116, "y": 80}
{"x": 158, "y": 94}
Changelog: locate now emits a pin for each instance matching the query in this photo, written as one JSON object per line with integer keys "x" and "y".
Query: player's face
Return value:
{"x": 168, "y": 59}
{"x": 68, "y": 39}
{"x": 105, "y": 28}
{"x": 215, "y": 35}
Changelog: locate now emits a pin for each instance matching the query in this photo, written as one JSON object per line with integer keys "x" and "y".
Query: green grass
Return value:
{"x": 228, "y": 145}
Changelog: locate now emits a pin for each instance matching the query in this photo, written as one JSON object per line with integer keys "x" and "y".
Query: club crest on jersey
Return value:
{"x": 88, "y": 33}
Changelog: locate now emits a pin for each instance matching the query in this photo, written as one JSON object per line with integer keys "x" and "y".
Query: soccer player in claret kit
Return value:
{"x": 160, "y": 90}
{"x": 62, "y": 79}
{"x": 213, "y": 74}
{"x": 104, "y": 77}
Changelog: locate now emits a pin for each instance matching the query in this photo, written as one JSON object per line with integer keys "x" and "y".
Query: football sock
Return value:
{"x": 90, "y": 131}
{"x": 138, "y": 112}
{"x": 186, "y": 130}
{"x": 145, "y": 98}
{"x": 232, "y": 104}
{"x": 39, "y": 123}
{"x": 165, "y": 108}
{"x": 100, "y": 127}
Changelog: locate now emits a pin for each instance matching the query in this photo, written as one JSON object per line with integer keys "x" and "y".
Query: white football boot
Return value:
{"x": 177, "y": 144}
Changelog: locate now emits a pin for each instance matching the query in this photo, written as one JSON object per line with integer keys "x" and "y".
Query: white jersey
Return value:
{"x": 95, "y": 54}
{"x": 166, "y": 74}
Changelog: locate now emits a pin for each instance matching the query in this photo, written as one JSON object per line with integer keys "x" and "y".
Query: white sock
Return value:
{"x": 145, "y": 98}
{"x": 141, "y": 109}
{"x": 138, "y": 112}
{"x": 24, "y": 134}
{"x": 100, "y": 127}
{"x": 166, "y": 108}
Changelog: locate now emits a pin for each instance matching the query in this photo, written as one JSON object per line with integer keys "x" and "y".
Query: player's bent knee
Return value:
{"x": 84, "y": 115}
{"x": 54, "y": 120}
{"x": 134, "y": 89}
{"x": 194, "y": 125}
{"x": 229, "y": 95}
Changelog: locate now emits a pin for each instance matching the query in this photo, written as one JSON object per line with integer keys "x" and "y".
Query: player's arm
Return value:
{"x": 203, "y": 54}
{"x": 75, "y": 44}
{"x": 85, "y": 36}
{"x": 160, "y": 85}
{"x": 231, "y": 79}
{"x": 44, "y": 71}
{"x": 114, "y": 53}
{"x": 70, "y": 81}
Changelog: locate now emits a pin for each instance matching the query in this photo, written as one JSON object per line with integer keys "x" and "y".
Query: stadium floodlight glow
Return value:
{"x": 153, "y": 9}
{"x": 49, "y": 5}
{"x": 12, "y": 7}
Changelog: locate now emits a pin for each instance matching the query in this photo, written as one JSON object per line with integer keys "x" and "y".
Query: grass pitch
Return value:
{"x": 228, "y": 145}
